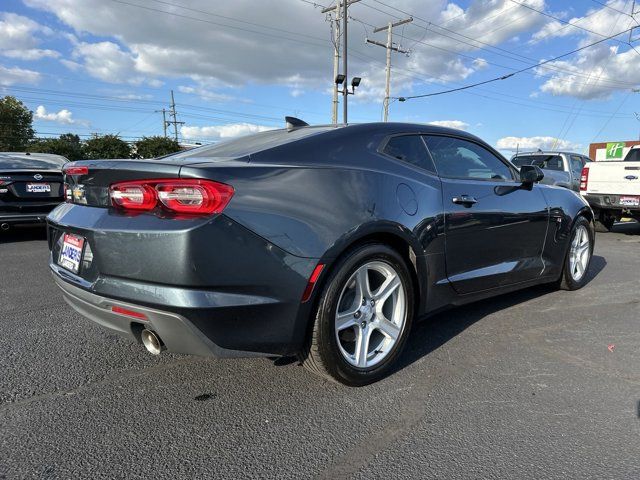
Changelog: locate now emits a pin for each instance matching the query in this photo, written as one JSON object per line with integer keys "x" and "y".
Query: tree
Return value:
{"x": 106, "y": 146}
{"x": 151, "y": 147}
{"x": 67, "y": 145}
{"x": 16, "y": 124}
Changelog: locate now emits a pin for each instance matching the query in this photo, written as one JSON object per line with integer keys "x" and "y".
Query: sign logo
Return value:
{"x": 614, "y": 149}
{"x": 37, "y": 176}
{"x": 631, "y": 177}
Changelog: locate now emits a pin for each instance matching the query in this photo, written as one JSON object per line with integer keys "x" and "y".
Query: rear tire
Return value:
{"x": 363, "y": 318}
{"x": 578, "y": 258}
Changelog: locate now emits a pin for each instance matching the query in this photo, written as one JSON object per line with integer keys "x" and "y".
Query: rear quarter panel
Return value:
{"x": 314, "y": 210}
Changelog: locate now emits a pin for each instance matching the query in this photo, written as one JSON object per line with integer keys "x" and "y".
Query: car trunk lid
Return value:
{"x": 91, "y": 187}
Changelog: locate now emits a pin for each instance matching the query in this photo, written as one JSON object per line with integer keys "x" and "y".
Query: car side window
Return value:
{"x": 410, "y": 149}
{"x": 457, "y": 158}
{"x": 576, "y": 165}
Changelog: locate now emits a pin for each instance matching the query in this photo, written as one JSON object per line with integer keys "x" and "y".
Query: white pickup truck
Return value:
{"x": 613, "y": 189}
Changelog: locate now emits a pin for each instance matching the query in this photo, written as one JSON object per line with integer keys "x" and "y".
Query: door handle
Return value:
{"x": 465, "y": 200}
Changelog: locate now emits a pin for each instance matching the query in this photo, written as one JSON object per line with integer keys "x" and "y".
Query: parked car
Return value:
{"x": 30, "y": 187}
{"x": 323, "y": 242}
{"x": 560, "y": 168}
{"x": 613, "y": 189}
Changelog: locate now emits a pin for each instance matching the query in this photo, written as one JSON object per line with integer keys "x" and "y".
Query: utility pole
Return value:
{"x": 389, "y": 47}
{"x": 337, "y": 16}
{"x": 174, "y": 115}
{"x": 164, "y": 120}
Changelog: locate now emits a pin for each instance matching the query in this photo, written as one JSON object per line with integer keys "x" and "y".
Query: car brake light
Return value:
{"x": 190, "y": 196}
{"x": 194, "y": 196}
{"x": 584, "y": 179}
{"x": 313, "y": 279}
{"x": 76, "y": 170}
{"x": 133, "y": 196}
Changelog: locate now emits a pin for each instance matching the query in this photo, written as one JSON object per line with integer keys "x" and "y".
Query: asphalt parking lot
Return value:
{"x": 536, "y": 384}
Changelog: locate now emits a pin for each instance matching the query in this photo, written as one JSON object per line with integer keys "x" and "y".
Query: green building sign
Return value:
{"x": 614, "y": 149}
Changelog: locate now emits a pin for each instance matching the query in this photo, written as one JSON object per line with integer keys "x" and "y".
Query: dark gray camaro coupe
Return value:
{"x": 322, "y": 242}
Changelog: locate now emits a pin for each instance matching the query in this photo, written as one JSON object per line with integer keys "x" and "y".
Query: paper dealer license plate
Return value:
{"x": 38, "y": 187}
{"x": 71, "y": 253}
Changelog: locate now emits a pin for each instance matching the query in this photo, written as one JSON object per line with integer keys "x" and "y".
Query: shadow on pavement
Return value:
{"x": 433, "y": 332}
{"x": 23, "y": 234}
{"x": 628, "y": 228}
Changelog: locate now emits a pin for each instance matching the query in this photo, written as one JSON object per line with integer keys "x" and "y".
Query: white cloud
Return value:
{"x": 458, "y": 124}
{"x": 216, "y": 51}
{"x": 19, "y": 38}
{"x": 219, "y": 132}
{"x": 533, "y": 143}
{"x": 107, "y": 61}
{"x": 64, "y": 116}
{"x": 205, "y": 93}
{"x": 14, "y": 75}
{"x": 31, "y": 54}
{"x": 600, "y": 70}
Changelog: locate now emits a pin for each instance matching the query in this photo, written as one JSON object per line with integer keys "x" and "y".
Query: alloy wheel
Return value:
{"x": 580, "y": 253}
{"x": 371, "y": 314}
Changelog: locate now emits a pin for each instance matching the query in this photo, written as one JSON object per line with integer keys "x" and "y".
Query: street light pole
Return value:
{"x": 345, "y": 94}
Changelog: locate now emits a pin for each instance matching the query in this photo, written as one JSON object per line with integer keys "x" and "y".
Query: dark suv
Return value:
{"x": 30, "y": 187}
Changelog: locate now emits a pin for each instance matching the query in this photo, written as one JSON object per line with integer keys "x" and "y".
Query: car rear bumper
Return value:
{"x": 176, "y": 332}
{"x": 609, "y": 202}
{"x": 22, "y": 218}
{"x": 232, "y": 292}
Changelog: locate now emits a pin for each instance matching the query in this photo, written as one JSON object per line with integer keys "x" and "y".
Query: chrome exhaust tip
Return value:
{"x": 152, "y": 342}
{"x": 5, "y": 226}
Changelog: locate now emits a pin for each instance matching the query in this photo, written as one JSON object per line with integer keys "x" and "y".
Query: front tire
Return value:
{"x": 363, "y": 318}
{"x": 578, "y": 258}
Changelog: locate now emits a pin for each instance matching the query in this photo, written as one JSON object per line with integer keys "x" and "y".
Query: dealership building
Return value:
{"x": 610, "y": 151}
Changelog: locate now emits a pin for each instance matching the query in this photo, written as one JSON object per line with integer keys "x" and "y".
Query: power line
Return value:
{"x": 575, "y": 116}
{"x": 509, "y": 54}
{"x": 504, "y": 77}
{"x": 541, "y": 12}
{"x": 218, "y": 24}
{"x": 610, "y": 7}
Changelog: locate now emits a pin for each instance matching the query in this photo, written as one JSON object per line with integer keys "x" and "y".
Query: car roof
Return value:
{"x": 257, "y": 142}
{"x": 554, "y": 152}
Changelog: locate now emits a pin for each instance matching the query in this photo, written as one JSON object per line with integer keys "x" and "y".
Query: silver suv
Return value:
{"x": 560, "y": 168}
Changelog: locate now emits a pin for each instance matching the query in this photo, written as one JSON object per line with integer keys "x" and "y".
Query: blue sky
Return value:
{"x": 107, "y": 66}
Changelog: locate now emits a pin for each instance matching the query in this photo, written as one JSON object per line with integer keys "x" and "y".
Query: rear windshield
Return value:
{"x": 249, "y": 144}
{"x": 29, "y": 162}
{"x": 548, "y": 162}
{"x": 633, "y": 155}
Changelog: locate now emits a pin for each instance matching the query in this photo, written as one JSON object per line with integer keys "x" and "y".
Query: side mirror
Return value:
{"x": 530, "y": 174}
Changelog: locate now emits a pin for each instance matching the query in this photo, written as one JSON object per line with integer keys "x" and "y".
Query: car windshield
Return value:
{"x": 31, "y": 162}
{"x": 548, "y": 162}
{"x": 633, "y": 155}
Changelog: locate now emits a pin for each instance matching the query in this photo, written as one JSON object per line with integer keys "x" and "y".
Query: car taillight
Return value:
{"x": 190, "y": 196}
{"x": 133, "y": 196}
{"x": 584, "y": 179}
{"x": 71, "y": 170}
